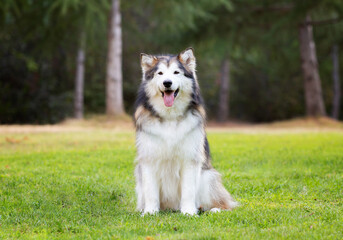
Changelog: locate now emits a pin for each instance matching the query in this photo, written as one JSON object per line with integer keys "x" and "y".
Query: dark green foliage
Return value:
{"x": 38, "y": 45}
{"x": 32, "y": 89}
{"x": 38, "y": 52}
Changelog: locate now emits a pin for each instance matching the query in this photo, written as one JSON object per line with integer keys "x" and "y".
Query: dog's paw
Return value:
{"x": 189, "y": 211}
{"x": 152, "y": 211}
{"x": 215, "y": 210}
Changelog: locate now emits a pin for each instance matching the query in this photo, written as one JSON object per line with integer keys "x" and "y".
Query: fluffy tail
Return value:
{"x": 212, "y": 192}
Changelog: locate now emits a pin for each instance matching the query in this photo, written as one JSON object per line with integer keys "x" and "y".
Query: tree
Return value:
{"x": 79, "y": 78}
{"x": 40, "y": 41}
{"x": 298, "y": 13}
{"x": 114, "y": 79}
{"x": 223, "y": 109}
{"x": 84, "y": 14}
{"x": 312, "y": 84}
{"x": 336, "y": 83}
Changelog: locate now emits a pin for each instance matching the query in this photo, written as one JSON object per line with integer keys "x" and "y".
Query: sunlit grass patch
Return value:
{"x": 80, "y": 184}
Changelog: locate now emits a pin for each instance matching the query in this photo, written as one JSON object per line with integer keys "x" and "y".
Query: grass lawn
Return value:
{"x": 80, "y": 184}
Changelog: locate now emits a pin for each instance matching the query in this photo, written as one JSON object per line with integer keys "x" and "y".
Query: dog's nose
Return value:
{"x": 167, "y": 83}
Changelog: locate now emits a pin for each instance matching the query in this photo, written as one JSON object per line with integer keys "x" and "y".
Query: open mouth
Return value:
{"x": 169, "y": 97}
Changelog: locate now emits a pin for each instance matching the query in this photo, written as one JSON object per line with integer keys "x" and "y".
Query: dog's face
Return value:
{"x": 169, "y": 79}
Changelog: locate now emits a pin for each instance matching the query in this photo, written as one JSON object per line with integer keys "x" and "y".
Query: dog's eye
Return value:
{"x": 160, "y": 73}
{"x": 176, "y": 72}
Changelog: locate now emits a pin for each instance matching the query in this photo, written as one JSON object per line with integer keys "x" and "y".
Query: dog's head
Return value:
{"x": 169, "y": 78}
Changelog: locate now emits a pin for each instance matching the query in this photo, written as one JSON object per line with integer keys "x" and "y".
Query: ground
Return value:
{"x": 70, "y": 181}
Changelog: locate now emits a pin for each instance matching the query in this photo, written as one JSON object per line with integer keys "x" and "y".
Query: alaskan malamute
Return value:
{"x": 174, "y": 168}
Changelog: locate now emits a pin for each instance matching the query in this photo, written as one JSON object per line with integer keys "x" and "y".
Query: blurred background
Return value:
{"x": 257, "y": 60}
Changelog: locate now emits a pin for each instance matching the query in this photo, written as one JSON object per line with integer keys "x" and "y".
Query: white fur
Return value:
{"x": 170, "y": 152}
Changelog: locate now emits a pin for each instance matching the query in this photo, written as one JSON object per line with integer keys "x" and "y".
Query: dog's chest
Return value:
{"x": 171, "y": 140}
{"x": 172, "y": 132}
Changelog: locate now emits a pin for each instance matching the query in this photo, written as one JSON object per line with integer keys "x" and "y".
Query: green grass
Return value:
{"x": 80, "y": 185}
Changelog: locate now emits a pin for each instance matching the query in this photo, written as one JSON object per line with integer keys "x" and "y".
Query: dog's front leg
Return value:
{"x": 150, "y": 189}
{"x": 189, "y": 185}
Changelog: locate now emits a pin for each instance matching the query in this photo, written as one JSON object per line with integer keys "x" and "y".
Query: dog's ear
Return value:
{"x": 187, "y": 58}
{"x": 147, "y": 61}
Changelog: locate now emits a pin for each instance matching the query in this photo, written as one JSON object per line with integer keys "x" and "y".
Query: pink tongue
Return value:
{"x": 168, "y": 99}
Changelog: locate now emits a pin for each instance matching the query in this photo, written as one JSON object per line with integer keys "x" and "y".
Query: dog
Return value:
{"x": 173, "y": 162}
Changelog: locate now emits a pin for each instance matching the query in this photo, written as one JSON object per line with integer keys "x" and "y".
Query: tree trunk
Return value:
{"x": 114, "y": 88}
{"x": 312, "y": 85}
{"x": 223, "y": 110}
{"x": 79, "y": 79}
{"x": 336, "y": 83}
